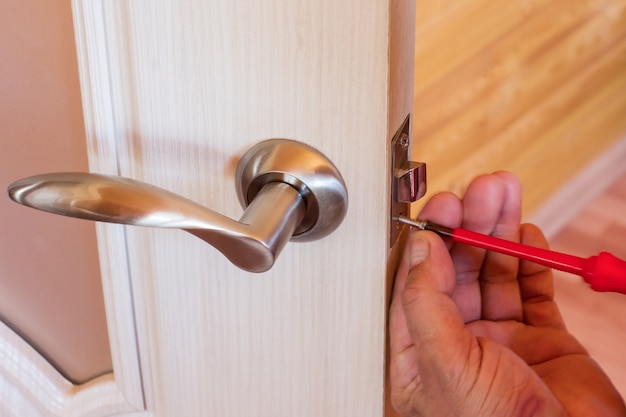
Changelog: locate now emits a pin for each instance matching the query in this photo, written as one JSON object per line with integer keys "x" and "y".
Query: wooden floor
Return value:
{"x": 598, "y": 320}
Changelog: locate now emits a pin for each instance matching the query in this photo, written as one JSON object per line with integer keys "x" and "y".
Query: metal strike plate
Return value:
{"x": 408, "y": 179}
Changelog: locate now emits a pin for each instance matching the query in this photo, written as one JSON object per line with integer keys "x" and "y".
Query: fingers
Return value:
{"x": 500, "y": 289}
{"x": 482, "y": 204}
{"x": 432, "y": 317}
{"x": 399, "y": 337}
{"x": 448, "y": 210}
{"x": 443, "y": 208}
{"x": 491, "y": 205}
{"x": 425, "y": 326}
{"x": 537, "y": 285}
{"x": 402, "y": 362}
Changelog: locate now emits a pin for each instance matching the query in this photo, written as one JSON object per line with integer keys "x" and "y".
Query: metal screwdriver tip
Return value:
{"x": 420, "y": 224}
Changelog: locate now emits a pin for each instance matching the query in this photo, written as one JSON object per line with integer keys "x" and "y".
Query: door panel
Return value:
{"x": 207, "y": 81}
{"x": 174, "y": 93}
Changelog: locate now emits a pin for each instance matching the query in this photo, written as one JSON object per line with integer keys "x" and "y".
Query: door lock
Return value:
{"x": 408, "y": 179}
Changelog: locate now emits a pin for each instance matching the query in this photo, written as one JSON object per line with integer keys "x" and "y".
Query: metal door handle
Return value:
{"x": 289, "y": 191}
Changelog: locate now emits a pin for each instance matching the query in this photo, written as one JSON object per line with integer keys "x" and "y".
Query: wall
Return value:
{"x": 49, "y": 273}
{"x": 535, "y": 87}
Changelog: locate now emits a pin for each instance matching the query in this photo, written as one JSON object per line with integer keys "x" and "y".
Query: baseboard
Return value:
{"x": 581, "y": 190}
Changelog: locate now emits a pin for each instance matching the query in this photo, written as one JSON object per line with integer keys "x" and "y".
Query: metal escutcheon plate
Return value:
{"x": 306, "y": 169}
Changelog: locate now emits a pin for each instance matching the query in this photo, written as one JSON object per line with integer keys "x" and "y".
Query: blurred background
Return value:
{"x": 537, "y": 87}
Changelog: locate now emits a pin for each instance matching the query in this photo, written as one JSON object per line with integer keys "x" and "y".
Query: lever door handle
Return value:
{"x": 289, "y": 191}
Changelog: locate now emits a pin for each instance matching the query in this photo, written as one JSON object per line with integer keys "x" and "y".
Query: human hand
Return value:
{"x": 475, "y": 333}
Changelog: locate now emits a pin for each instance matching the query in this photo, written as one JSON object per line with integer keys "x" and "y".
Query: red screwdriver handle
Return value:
{"x": 557, "y": 260}
{"x": 605, "y": 272}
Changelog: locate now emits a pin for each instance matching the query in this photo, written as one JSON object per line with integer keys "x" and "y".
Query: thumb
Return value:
{"x": 432, "y": 316}
{"x": 430, "y": 263}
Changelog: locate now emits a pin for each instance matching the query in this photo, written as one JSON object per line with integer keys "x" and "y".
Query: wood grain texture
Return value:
{"x": 537, "y": 88}
{"x": 96, "y": 74}
{"x": 581, "y": 190}
{"x": 188, "y": 87}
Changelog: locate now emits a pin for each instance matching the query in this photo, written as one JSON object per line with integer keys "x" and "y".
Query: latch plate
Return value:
{"x": 408, "y": 179}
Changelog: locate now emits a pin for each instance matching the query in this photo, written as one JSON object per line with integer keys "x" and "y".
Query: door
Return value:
{"x": 174, "y": 92}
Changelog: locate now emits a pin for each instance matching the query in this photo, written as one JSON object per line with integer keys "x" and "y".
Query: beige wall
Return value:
{"x": 49, "y": 274}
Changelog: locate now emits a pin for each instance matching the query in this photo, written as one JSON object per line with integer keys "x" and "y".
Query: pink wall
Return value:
{"x": 49, "y": 274}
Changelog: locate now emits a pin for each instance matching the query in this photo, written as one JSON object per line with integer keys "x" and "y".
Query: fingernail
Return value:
{"x": 418, "y": 250}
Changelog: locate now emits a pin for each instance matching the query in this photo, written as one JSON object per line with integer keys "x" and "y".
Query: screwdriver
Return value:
{"x": 603, "y": 272}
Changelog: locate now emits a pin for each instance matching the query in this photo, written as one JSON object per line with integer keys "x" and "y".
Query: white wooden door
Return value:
{"x": 173, "y": 93}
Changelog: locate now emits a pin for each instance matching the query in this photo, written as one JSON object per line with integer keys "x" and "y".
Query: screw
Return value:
{"x": 404, "y": 140}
